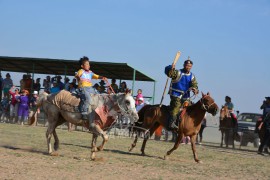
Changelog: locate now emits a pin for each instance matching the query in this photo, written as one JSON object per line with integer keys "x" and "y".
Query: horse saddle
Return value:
{"x": 66, "y": 101}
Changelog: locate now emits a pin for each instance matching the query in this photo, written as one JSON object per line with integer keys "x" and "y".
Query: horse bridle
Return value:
{"x": 124, "y": 109}
{"x": 206, "y": 106}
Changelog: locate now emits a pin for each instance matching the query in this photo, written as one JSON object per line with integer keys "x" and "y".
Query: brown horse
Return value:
{"x": 151, "y": 117}
{"x": 226, "y": 127}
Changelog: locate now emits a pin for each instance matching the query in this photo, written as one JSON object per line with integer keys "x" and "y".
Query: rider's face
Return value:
{"x": 86, "y": 65}
{"x": 188, "y": 67}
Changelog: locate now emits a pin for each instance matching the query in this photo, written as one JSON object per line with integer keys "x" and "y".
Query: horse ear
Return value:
{"x": 203, "y": 94}
{"x": 208, "y": 93}
{"x": 128, "y": 91}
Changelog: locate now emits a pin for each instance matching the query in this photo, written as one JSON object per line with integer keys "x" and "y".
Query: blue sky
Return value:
{"x": 228, "y": 41}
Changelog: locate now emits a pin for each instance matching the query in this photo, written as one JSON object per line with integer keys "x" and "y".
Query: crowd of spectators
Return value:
{"x": 22, "y": 99}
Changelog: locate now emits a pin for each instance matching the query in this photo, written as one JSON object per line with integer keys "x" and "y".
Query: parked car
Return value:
{"x": 246, "y": 128}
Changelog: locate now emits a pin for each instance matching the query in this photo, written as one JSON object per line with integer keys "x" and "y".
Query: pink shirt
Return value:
{"x": 137, "y": 98}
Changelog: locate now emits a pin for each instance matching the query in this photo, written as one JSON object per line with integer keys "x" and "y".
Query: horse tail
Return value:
{"x": 40, "y": 99}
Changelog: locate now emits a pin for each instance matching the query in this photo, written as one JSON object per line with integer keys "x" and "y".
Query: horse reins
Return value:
{"x": 206, "y": 107}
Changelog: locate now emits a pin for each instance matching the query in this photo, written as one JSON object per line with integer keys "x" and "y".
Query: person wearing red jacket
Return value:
{"x": 14, "y": 104}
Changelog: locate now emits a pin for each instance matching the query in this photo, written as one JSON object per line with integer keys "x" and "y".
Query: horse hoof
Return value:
{"x": 143, "y": 154}
{"x": 99, "y": 148}
{"x": 165, "y": 157}
{"x": 54, "y": 154}
{"x": 93, "y": 156}
{"x": 198, "y": 161}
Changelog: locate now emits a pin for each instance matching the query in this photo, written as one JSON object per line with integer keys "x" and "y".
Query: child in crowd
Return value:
{"x": 33, "y": 106}
{"x": 84, "y": 77}
{"x": 139, "y": 95}
{"x": 140, "y": 104}
{"x": 23, "y": 109}
{"x": 14, "y": 104}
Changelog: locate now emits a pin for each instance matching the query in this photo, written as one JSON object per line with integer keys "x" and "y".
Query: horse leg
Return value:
{"x": 134, "y": 143}
{"x": 49, "y": 134}
{"x": 94, "y": 148}
{"x": 222, "y": 138}
{"x": 147, "y": 135}
{"x": 104, "y": 136}
{"x": 176, "y": 145}
{"x": 227, "y": 133}
{"x": 192, "y": 139}
{"x": 56, "y": 141}
{"x": 233, "y": 139}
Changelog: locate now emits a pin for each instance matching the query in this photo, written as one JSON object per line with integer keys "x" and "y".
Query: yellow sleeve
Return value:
{"x": 79, "y": 73}
{"x": 95, "y": 76}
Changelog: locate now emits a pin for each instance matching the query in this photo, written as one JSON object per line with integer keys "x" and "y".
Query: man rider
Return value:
{"x": 182, "y": 81}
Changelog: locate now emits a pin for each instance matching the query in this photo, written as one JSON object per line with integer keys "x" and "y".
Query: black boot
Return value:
{"x": 172, "y": 125}
{"x": 85, "y": 117}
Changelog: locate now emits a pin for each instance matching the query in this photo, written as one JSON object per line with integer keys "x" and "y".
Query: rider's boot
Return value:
{"x": 172, "y": 124}
{"x": 84, "y": 116}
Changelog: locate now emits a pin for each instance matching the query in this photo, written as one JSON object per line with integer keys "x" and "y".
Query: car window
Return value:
{"x": 248, "y": 117}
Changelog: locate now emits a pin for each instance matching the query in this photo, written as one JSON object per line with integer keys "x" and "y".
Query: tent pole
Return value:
{"x": 33, "y": 78}
{"x": 133, "y": 82}
{"x": 154, "y": 92}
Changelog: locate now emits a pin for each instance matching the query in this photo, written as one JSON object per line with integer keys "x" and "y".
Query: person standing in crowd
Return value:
{"x": 28, "y": 83}
{"x": 1, "y": 87}
{"x": 66, "y": 84}
{"x": 203, "y": 125}
{"x": 96, "y": 88}
{"x": 102, "y": 88}
{"x": 114, "y": 85}
{"x": 23, "y": 81}
{"x": 23, "y": 109}
{"x": 37, "y": 85}
{"x": 7, "y": 84}
{"x": 47, "y": 84}
{"x": 139, "y": 95}
{"x": 33, "y": 106}
{"x": 55, "y": 88}
{"x": 230, "y": 106}
{"x": 84, "y": 77}
{"x": 72, "y": 88}
{"x": 14, "y": 104}
{"x": 74, "y": 81}
{"x": 266, "y": 121}
{"x": 60, "y": 83}
{"x": 123, "y": 87}
{"x": 183, "y": 80}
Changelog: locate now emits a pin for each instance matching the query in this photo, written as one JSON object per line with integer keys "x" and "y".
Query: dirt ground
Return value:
{"x": 23, "y": 155}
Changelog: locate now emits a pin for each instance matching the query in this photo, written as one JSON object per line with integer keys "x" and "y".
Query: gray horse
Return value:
{"x": 103, "y": 112}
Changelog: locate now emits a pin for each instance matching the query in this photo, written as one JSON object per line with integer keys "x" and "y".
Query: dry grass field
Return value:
{"x": 23, "y": 155}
